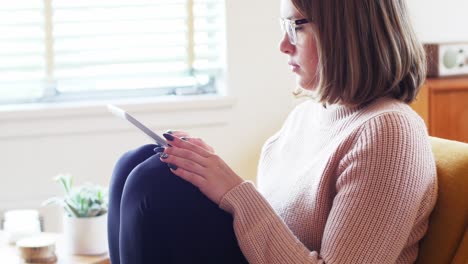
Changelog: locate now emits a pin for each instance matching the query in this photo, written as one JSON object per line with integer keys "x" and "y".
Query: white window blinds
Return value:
{"x": 67, "y": 49}
{"x": 22, "y": 50}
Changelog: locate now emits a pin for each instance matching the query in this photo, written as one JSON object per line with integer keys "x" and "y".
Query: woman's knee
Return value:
{"x": 146, "y": 177}
{"x": 134, "y": 157}
{"x": 123, "y": 167}
{"x": 130, "y": 159}
{"x": 153, "y": 188}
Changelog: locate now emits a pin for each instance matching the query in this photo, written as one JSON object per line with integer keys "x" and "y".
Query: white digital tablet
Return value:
{"x": 124, "y": 115}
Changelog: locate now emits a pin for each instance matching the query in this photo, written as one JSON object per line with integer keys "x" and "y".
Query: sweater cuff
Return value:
{"x": 236, "y": 193}
{"x": 246, "y": 199}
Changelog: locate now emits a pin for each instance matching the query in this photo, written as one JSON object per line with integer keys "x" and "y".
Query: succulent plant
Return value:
{"x": 83, "y": 201}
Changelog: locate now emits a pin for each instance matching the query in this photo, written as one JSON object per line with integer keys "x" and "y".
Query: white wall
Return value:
{"x": 35, "y": 145}
{"x": 440, "y": 21}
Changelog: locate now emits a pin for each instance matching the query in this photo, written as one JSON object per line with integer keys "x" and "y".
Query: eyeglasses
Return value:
{"x": 289, "y": 26}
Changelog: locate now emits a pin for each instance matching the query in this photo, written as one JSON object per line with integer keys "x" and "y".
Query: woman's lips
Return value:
{"x": 294, "y": 67}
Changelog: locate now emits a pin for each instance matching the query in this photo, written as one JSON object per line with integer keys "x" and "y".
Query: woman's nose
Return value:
{"x": 286, "y": 46}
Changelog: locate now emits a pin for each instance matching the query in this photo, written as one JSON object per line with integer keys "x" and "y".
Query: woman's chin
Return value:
{"x": 306, "y": 84}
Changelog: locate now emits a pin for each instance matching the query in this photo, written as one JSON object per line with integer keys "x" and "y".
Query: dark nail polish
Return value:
{"x": 164, "y": 156}
{"x": 159, "y": 149}
{"x": 169, "y": 145}
{"x": 184, "y": 138}
{"x": 168, "y": 136}
{"x": 169, "y": 132}
{"x": 172, "y": 166}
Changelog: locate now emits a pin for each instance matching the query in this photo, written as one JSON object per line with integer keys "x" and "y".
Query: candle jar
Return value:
{"x": 19, "y": 224}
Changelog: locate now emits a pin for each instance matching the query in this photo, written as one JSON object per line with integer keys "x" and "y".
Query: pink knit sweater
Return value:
{"x": 338, "y": 185}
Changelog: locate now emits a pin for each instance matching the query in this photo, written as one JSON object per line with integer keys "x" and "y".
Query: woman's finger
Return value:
{"x": 195, "y": 179}
{"x": 175, "y": 141}
{"x": 178, "y": 133}
{"x": 186, "y": 136}
{"x": 176, "y": 162}
{"x": 199, "y": 142}
{"x": 187, "y": 155}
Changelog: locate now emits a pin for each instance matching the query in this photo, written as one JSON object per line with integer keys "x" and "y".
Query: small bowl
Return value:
{"x": 37, "y": 249}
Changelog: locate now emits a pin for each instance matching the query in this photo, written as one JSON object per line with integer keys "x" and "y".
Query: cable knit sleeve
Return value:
{"x": 380, "y": 181}
{"x": 263, "y": 237}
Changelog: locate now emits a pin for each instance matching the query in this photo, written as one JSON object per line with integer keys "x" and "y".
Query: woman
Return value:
{"x": 349, "y": 178}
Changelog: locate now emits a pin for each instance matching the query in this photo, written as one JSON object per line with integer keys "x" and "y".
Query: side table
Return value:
{"x": 9, "y": 254}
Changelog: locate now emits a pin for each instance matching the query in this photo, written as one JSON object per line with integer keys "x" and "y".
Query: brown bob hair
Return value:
{"x": 367, "y": 49}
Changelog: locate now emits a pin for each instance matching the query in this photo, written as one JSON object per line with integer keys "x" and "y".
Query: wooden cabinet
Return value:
{"x": 443, "y": 104}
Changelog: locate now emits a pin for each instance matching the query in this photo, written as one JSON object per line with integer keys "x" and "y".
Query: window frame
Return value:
{"x": 41, "y": 120}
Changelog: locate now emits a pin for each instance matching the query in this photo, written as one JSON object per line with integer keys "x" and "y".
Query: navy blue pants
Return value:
{"x": 156, "y": 217}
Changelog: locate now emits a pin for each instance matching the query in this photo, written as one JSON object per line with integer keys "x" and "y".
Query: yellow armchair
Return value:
{"x": 446, "y": 240}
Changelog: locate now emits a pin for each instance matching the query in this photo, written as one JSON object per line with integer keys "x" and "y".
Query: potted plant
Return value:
{"x": 85, "y": 216}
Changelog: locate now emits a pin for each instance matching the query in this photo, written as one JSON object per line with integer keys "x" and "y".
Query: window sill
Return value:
{"x": 55, "y": 119}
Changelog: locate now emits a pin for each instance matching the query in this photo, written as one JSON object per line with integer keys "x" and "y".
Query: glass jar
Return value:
{"x": 20, "y": 224}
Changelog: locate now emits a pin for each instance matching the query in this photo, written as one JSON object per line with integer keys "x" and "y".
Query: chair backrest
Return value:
{"x": 446, "y": 240}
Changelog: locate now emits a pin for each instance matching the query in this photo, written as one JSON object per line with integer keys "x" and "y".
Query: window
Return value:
{"x": 59, "y": 50}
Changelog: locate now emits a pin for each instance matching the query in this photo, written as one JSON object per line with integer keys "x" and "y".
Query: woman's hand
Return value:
{"x": 197, "y": 141}
{"x": 199, "y": 166}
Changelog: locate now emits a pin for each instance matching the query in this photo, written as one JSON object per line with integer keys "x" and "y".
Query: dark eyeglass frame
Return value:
{"x": 290, "y": 26}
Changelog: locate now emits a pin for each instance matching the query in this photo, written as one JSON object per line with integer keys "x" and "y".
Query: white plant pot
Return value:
{"x": 86, "y": 235}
